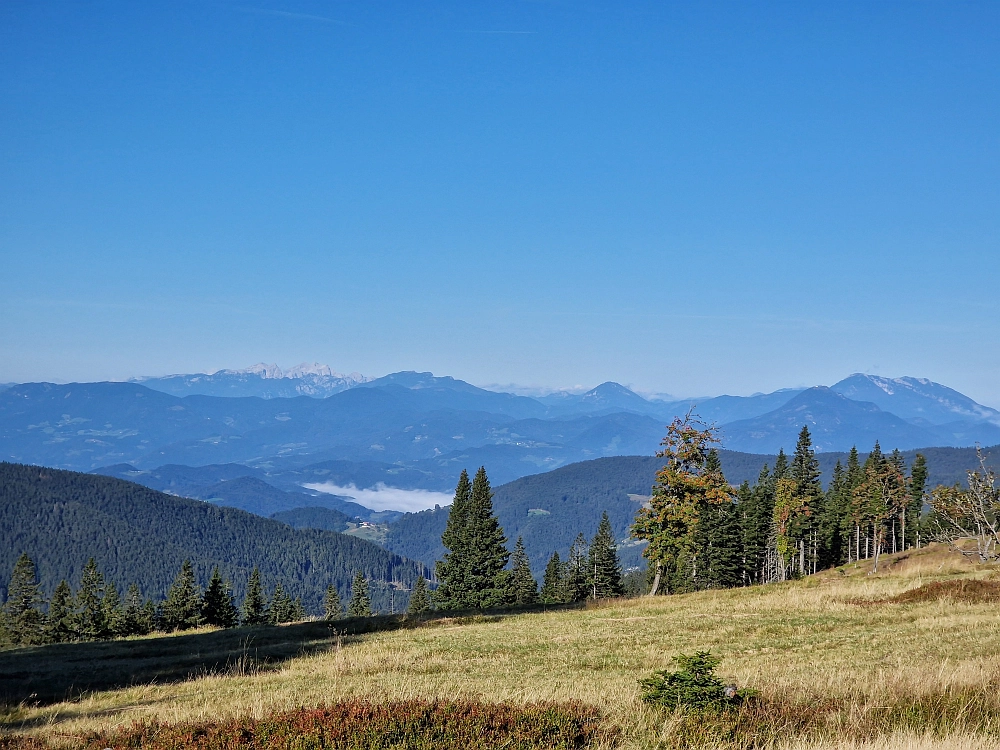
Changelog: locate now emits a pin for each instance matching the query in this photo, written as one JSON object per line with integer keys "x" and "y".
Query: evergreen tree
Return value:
{"x": 137, "y": 616}
{"x": 602, "y": 563}
{"x": 524, "y": 589}
{"x": 420, "y": 602}
{"x": 485, "y": 579}
{"x": 182, "y": 607}
{"x": 91, "y": 622}
{"x": 298, "y": 612}
{"x": 217, "y": 605}
{"x": 281, "y": 605}
{"x": 21, "y": 616}
{"x": 553, "y": 591}
{"x": 803, "y": 526}
{"x": 756, "y": 506}
{"x": 113, "y": 615}
{"x": 781, "y": 470}
{"x": 453, "y": 570}
{"x": 831, "y": 522}
{"x": 575, "y": 588}
{"x": 332, "y": 609}
{"x": 254, "y": 606}
{"x": 60, "y": 622}
{"x": 722, "y": 553}
{"x": 918, "y": 484}
{"x": 361, "y": 603}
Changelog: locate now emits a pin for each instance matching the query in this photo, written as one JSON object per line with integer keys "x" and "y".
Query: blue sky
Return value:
{"x": 690, "y": 198}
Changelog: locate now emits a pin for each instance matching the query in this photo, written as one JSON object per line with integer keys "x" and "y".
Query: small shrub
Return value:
{"x": 694, "y": 685}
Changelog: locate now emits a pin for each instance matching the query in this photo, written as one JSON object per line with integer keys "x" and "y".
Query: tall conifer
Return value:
{"x": 254, "y": 604}
{"x": 91, "y": 621}
{"x": 575, "y": 587}
{"x": 420, "y": 602}
{"x": 602, "y": 564}
{"x": 281, "y": 606}
{"x": 524, "y": 589}
{"x": 21, "y": 616}
{"x": 217, "y": 605}
{"x": 182, "y": 608}
{"x": 332, "y": 609}
{"x": 453, "y": 570}
{"x": 552, "y": 583}
{"x": 918, "y": 484}
{"x": 361, "y": 603}
{"x": 60, "y": 622}
{"x": 485, "y": 580}
{"x": 136, "y": 617}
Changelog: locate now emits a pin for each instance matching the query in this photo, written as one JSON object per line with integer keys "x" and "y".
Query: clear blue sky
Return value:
{"x": 693, "y": 198}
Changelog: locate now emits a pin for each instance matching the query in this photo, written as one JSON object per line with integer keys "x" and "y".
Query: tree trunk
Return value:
{"x": 656, "y": 580}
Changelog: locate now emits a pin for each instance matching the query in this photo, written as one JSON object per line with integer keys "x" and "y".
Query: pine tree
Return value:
{"x": 217, "y": 605}
{"x": 182, "y": 608}
{"x": 756, "y": 506}
{"x": 524, "y": 589}
{"x": 332, "y": 609}
{"x": 831, "y": 522}
{"x": 281, "y": 605}
{"x": 420, "y": 602}
{"x": 553, "y": 591}
{"x": 453, "y": 570}
{"x": 254, "y": 606}
{"x": 91, "y": 622}
{"x": 113, "y": 615}
{"x": 575, "y": 588}
{"x": 21, "y": 616}
{"x": 602, "y": 563}
{"x": 781, "y": 470}
{"x": 360, "y": 604}
{"x": 137, "y": 619}
{"x": 298, "y": 611}
{"x": 485, "y": 581}
{"x": 60, "y": 622}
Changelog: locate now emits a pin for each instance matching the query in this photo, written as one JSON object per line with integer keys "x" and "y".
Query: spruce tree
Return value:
{"x": 831, "y": 523}
{"x": 803, "y": 526}
{"x": 60, "y": 622}
{"x": 485, "y": 579}
{"x": 918, "y": 483}
{"x": 136, "y": 616}
{"x": 756, "y": 510}
{"x": 298, "y": 611}
{"x": 21, "y": 616}
{"x": 360, "y": 604}
{"x": 781, "y": 470}
{"x": 553, "y": 591}
{"x": 332, "y": 609}
{"x": 420, "y": 602}
{"x": 281, "y": 605}
{"x": 113, "y": 615}
{"x": 217, "y": 605}
{"x": 254, "y": 606}
{"x": 182, "y": 607}
{"x": 575, "y": 588}
{"x": 524, "y": 589}
{"x": 452, "y": 572}
{"x": 91, "y": 621}
{"x": 602, "y": 563}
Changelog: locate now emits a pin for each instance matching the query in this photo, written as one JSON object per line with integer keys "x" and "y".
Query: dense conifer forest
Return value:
{"x": 139, "y": 536}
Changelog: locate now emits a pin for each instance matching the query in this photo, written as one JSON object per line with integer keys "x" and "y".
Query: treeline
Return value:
{"x": 96, "y": 611}
{"x": 702, "y": 534}
{"x": 473, "y": 573}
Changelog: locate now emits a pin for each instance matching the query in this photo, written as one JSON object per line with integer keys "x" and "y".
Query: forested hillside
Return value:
{"x": 138, "y": 535}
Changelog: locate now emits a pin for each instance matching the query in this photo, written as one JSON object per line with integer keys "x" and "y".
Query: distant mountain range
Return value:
{"x": 417, "y": 431}
{"x": 261, "y": 380}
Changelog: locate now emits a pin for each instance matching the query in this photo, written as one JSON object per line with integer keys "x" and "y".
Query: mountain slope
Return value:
{"x": 835, "y": 422}
{"x": 262, "y": 381}
{"x": 915, "y": 399}
{"x": 139, "y": 535}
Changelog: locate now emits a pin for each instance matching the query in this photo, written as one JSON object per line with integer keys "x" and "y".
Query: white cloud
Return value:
{"x": 383, "y": 497}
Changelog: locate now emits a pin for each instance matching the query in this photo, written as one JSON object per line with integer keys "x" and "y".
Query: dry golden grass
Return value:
{"x": 875, "y": 675}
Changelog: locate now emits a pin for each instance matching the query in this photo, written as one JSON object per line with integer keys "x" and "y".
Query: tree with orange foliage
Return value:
{"x": 682, "y": 487}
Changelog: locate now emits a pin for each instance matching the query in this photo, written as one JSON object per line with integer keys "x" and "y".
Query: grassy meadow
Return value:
{"x": 836, "y": 662}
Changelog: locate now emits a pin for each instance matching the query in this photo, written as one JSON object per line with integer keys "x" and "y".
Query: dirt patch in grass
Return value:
{"x": 400, "y": 725}
{"x": 968, "y": 591}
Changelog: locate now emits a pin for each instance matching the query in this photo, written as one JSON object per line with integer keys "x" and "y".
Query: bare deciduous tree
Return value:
{"x": 962, "y": 514}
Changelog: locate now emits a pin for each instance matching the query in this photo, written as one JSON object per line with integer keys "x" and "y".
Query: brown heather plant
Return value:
{"x": 921, "y": 674}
